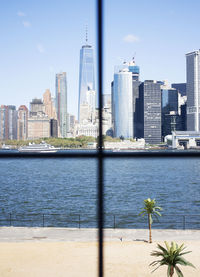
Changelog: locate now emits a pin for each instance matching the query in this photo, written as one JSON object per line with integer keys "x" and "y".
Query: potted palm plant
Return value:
{"x": 150, "y": 209}
{"x": 171, "y": 256}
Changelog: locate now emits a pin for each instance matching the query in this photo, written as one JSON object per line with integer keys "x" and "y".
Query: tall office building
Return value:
{"x": 22, "y": 123}
{"x": 193, "y": 90}
{"x": 134, "y": 71}
{"x": 48, "y": 105}
{"x": 171, "y": 119}
{"x": 8, "y": 122}
{"x": 38, "y": 121}
{"x": 87, "y": 94}
{"x": 12, "y": 121}
{"x": 123, "y": 104}
{"x": 184, "y": 117}
{"x": 181, "y": 87}
{"x": 4, "y": 123}
{"x": 50, "y": 111}
{"x": 61, "y": 103}
{"x": 36, "y": 106}
{"x": 53, "y": 128}
{"x": 150, "y": 111}
{"x": 169, "y": 100}
{"x": 136, "y": 108}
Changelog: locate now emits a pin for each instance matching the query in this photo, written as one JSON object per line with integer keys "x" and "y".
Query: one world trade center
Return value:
{"x": 87, "y": 95}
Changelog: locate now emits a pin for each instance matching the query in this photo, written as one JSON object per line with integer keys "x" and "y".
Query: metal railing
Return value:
{"x": 119, "y": 221}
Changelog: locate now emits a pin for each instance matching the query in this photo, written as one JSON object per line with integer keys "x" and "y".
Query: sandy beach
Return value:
{"x": 41, "y": 252}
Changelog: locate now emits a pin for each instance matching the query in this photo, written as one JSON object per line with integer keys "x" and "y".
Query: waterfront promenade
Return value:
{"x": 52, "y": 252}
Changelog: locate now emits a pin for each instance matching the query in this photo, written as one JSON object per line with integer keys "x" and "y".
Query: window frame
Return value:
{"x": 100, "y": 154}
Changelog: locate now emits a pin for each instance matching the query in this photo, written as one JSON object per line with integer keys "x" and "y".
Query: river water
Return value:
{"x": 63, "y": 192}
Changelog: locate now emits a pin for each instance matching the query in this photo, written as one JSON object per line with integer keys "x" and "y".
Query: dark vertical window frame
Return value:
{"x": 100, "y": 138}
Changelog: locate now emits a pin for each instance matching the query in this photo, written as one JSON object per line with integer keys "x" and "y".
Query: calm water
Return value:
{"x": 65, "y": 191}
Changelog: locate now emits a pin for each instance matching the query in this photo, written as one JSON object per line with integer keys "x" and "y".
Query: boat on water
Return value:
{"x": 6, "y": 147}
{"x": 43, "y": 147}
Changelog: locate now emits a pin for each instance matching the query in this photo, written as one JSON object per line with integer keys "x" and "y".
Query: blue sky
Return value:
{"x": 42, "y": 38}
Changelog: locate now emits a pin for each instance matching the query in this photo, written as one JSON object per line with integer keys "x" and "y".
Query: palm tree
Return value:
{"x": 150, "y": 209}
{"x": 171, "y": 256}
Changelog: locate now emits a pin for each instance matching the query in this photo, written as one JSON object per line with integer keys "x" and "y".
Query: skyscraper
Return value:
{"x": 22, "y": 123}
{"x": 193, "y": 90}
{"x": 61, "y": 103}
{"x": 38, "y": 121}
{"x": 48, "y": 105}
{"x": 133, "y": 71}
{"x": 4, "y": 122}
{"x": 171, "y": 119}
{"x": 136, "y": 108}
{"x": 169, "y": 100}
{"x": 123, "y": 104}
{"x": 181, "y": 87}
{"x": 36, "y": 106}
{"x": 150, "y": 108}
{"x": 8, "y": 122}
{"x": 87, "y": 95}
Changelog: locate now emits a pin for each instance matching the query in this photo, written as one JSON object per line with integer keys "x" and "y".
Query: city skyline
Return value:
{"x": 42, "y": 39}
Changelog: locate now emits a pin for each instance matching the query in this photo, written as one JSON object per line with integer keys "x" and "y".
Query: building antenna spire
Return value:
{"x": 134, "y": 56}
{"x": 86, "y": 34}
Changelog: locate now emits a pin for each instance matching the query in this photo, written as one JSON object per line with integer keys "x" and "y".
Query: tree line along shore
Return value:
{"x": 78, "y": 142}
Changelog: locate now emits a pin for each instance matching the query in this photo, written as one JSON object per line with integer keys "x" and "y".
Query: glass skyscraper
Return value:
{"x": 171, "y": 119}
{"x": 150, "y": 101}
{"x": 125, "y": 94}
{"x": 181, "y": 87}
{"x": 61, "y": 103}
{"x": 193, "y": 90}
{"x": 8, "y": 122}
{"x": 123, "y": 104}
{"x": 169, "y": 100}
{"x": 86, "y": 78}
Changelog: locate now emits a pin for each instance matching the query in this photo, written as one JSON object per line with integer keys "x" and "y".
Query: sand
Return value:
{"x": 39, "y": 257}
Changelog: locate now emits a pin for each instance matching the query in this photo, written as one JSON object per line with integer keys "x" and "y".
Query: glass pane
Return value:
{"x": 49, "y": 193}
{"x": 146, "y": 80}
{"x": 138, "y": 179}
{"x": 58, "y": 198}
{"x": 174, "y": 184}
{"x": 48, "y": 104}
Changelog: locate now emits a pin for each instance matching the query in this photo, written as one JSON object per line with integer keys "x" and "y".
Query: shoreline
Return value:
{"x": 146, "y": 149}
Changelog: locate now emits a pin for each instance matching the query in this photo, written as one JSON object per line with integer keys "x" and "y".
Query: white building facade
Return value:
{"x": 89, "y": 130}
{"x": 123, "y": 104}
{"x": 193, "y": 90}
